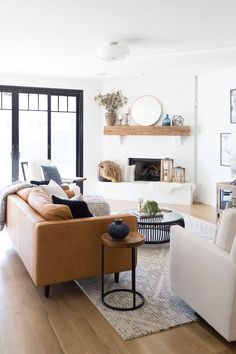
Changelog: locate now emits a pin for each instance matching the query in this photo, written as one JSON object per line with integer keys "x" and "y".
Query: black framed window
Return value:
{"x": 45, "y": 123}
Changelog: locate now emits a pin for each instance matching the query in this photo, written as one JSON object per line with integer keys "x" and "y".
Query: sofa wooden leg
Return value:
{"x": 46, "y": 290}
{"x": 116, "y": 277}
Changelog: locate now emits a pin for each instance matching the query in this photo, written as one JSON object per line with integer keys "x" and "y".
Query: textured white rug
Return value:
{"x": 162, "y": 309}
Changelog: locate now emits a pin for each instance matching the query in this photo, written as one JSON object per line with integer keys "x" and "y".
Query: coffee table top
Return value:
{"x": 168, "y": 216}
{"x": 134, "y": 239}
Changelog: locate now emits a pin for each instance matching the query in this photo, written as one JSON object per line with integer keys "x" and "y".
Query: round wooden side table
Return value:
{"x": 133, "y": 240}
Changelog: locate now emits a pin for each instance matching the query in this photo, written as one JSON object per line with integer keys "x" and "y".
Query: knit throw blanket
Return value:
{"x": 110, "y": 170}
{"x": 4, "y": 193}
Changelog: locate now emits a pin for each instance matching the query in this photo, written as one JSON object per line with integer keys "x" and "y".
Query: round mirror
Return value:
{"x": 146, "y": 110}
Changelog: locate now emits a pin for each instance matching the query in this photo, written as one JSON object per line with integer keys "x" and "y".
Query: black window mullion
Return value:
{"x": 15, "y": 135}
{"x": 49, "y": 128}
{"x": 79, "y": 135}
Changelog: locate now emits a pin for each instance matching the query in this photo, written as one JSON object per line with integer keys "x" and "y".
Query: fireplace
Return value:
{"x": 146, "y": 169}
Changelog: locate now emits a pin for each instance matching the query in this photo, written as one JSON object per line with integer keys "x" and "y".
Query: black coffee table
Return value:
{"x": 157, "y": 229}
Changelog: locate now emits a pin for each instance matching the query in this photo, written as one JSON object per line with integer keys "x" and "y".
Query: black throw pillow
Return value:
{"x": 79, "y": 208}
{"x": 40, "y": 183}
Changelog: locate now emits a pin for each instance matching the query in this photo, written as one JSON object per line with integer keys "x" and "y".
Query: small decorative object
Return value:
{"x": 118, "y": 230}
{"x": 177, "y": 120}
{"x": 233, "y": 106}
{"x": 225, "y": 149}
{"x": 120, "y": 118}
{"x": 110, "y": 118}
{"x": 151, "y": 208}
{"x": 140, "y": 205}
{"x": 167, "y": 170}
{"x": 233, "y": 165}
{"x": 111, "y": 102}
{"x": 126, "y": 118}
{"x": 166, "y": 121}
{"x": 109, "y": 171}
{"x": 179, "y": 174}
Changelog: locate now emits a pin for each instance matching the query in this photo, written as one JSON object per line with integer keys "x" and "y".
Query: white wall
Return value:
{"x": 92, "y": 118}
{"x": 177, "y": 97}
{"x": 213, "y": 119}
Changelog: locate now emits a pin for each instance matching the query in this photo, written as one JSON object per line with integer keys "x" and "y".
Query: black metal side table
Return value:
{"x": 133, "y": 240}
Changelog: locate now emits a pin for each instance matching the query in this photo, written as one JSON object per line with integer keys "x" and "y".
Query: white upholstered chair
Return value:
{"x": 32, "y": 170}
{"x": 203, "y": 273}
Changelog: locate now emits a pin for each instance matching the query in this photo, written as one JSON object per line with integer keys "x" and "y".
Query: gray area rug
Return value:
{"x": 162, "y": 309}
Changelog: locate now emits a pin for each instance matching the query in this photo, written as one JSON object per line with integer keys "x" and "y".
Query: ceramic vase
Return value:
{"x": 166, "y": 121}
{"x": 110, "y": 118}
{"x": 118, "y": 230}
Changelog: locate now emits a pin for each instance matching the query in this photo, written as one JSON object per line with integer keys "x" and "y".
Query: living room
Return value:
{"x": 118, "y": 236}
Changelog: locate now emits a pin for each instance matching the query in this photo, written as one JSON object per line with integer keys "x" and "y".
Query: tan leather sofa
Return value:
{"x": 59, "y": 251}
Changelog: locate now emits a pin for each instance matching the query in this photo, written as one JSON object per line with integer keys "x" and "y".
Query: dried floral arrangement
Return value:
{"x": 111, "y": 101}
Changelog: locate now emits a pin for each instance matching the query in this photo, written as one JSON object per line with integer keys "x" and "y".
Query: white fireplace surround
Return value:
{"x": 162, "y": 192}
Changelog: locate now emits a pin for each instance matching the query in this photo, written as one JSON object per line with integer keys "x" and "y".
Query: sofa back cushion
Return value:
{"x": 42, "y": 204}
{"x": 226, "y": 229}
{"x": 24, "y": 193}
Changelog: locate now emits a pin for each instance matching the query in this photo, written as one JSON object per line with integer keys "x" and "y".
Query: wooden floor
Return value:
{"x": 69, "y": 323}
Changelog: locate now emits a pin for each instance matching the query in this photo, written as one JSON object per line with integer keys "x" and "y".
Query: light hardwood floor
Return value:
{"x": 69, "y": 323}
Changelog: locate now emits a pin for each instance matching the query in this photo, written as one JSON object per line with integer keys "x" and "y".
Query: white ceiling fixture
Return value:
{"x": 113, "y": 51}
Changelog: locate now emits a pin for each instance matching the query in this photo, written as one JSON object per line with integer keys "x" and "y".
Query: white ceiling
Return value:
{"x": 166, "y": 37}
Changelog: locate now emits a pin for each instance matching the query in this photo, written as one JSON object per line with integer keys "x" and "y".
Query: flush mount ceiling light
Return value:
{"x": 113, "y": 51}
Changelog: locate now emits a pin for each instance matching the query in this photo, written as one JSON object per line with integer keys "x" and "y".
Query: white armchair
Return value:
{"x": 31, "y": 170}
{"x": 204, "y": 276}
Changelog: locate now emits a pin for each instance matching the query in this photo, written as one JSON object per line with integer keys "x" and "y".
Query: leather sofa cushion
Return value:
{"x": 24, "y": 193}
{"x": 69, "y": 193}
{"x": 41, "y": 203}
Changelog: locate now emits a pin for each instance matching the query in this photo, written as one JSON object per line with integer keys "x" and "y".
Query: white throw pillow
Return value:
{"x": 226, "y": 230}
{"x": 55, "y": 189}
{"x": 128, "y": 173}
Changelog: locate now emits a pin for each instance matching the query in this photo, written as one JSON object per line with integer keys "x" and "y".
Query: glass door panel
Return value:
{"x": 5, "y": 147}
{"x": 40, "y": 124}
{"x": 33, "y": 132}
{"x": 63, "y": 143}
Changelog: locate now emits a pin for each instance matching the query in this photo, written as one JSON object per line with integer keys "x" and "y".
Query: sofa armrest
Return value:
{"x": 198, "y": 258}
{"x": 68, "y": 250}
{"x": 204, "y": 276}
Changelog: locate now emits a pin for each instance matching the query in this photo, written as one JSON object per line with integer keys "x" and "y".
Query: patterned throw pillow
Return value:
{"x": 51, "y": 172}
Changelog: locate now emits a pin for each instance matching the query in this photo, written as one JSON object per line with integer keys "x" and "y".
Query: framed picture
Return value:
{"x": 225, "y": 149}
{"x": 233, "y": 106}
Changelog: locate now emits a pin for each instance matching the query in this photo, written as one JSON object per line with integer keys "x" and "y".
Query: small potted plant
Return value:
{"x": 111, "y": 102}
{"x": 151, "y": 208}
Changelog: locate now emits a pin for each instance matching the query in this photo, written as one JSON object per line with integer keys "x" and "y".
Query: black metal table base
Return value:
{"x": 157, "y": 233}
{"x": 133, "y": 290}
{"x": 134, "y": 307}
